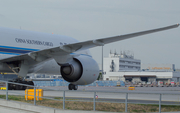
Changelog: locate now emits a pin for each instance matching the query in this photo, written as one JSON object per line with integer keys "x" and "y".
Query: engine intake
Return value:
{"x": 72, "y": 71}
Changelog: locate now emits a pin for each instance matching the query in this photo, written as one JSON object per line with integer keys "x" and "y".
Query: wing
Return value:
{"x": 101, "y": 42}
{"x": 67, "y": 49}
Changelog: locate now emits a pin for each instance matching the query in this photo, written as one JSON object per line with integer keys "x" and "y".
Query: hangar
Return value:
{"x": 139, "y": 76}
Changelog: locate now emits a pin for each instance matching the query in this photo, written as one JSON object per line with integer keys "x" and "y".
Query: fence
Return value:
{"x": 126, "y": 102}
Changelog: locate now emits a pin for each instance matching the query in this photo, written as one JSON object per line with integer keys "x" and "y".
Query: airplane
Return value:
{"x": 23, "y": 52}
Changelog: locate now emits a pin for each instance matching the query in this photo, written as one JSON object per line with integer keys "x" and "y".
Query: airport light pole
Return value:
{"x": 102, "y": 65}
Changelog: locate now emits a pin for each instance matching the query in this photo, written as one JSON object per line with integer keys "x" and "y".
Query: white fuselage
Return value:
{"x": 16, "y": 42}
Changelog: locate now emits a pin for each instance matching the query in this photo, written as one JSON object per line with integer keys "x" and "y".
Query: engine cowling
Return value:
{"x": 81, "y": 70}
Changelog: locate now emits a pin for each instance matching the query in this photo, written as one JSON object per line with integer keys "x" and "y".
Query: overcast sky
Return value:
{"x": 93, "y": 19}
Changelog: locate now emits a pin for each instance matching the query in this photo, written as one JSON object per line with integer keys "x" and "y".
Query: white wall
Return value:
{"x": 142, "y": 73}
{"x": 107, "y": 63}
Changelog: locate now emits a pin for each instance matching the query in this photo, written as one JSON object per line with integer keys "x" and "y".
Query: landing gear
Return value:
{"x": 72, "y": 86}
{"x": 19, "y": 87}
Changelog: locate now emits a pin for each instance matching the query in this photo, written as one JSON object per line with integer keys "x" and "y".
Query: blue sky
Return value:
{"x": 93, "y": 19}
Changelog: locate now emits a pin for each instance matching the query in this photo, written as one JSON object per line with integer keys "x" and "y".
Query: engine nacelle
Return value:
{"x": 82, "y": 70}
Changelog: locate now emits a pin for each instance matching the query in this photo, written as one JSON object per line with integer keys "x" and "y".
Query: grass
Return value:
{"x": 100, "y": 106}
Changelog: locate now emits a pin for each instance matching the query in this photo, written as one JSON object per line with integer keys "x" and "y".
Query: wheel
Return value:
{"x": 24, "y": 87}
{"x": 17, "y": 87}
{"x": 75, "y": 87}
{"x": 30, "y": 83}
{"x": 10, "y": 86}
{"x": 20, "y": 86}
{"x": 70, "y": 86}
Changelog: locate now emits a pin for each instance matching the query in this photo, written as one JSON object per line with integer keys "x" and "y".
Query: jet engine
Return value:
{"x": 81, "y": 70}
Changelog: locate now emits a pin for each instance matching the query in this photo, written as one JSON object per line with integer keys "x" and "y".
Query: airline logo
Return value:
{"x": 36, "y": 42}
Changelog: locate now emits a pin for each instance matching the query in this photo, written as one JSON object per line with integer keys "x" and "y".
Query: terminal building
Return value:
{"x": 124, "y": 67}
{"x": 120, "y": 62}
